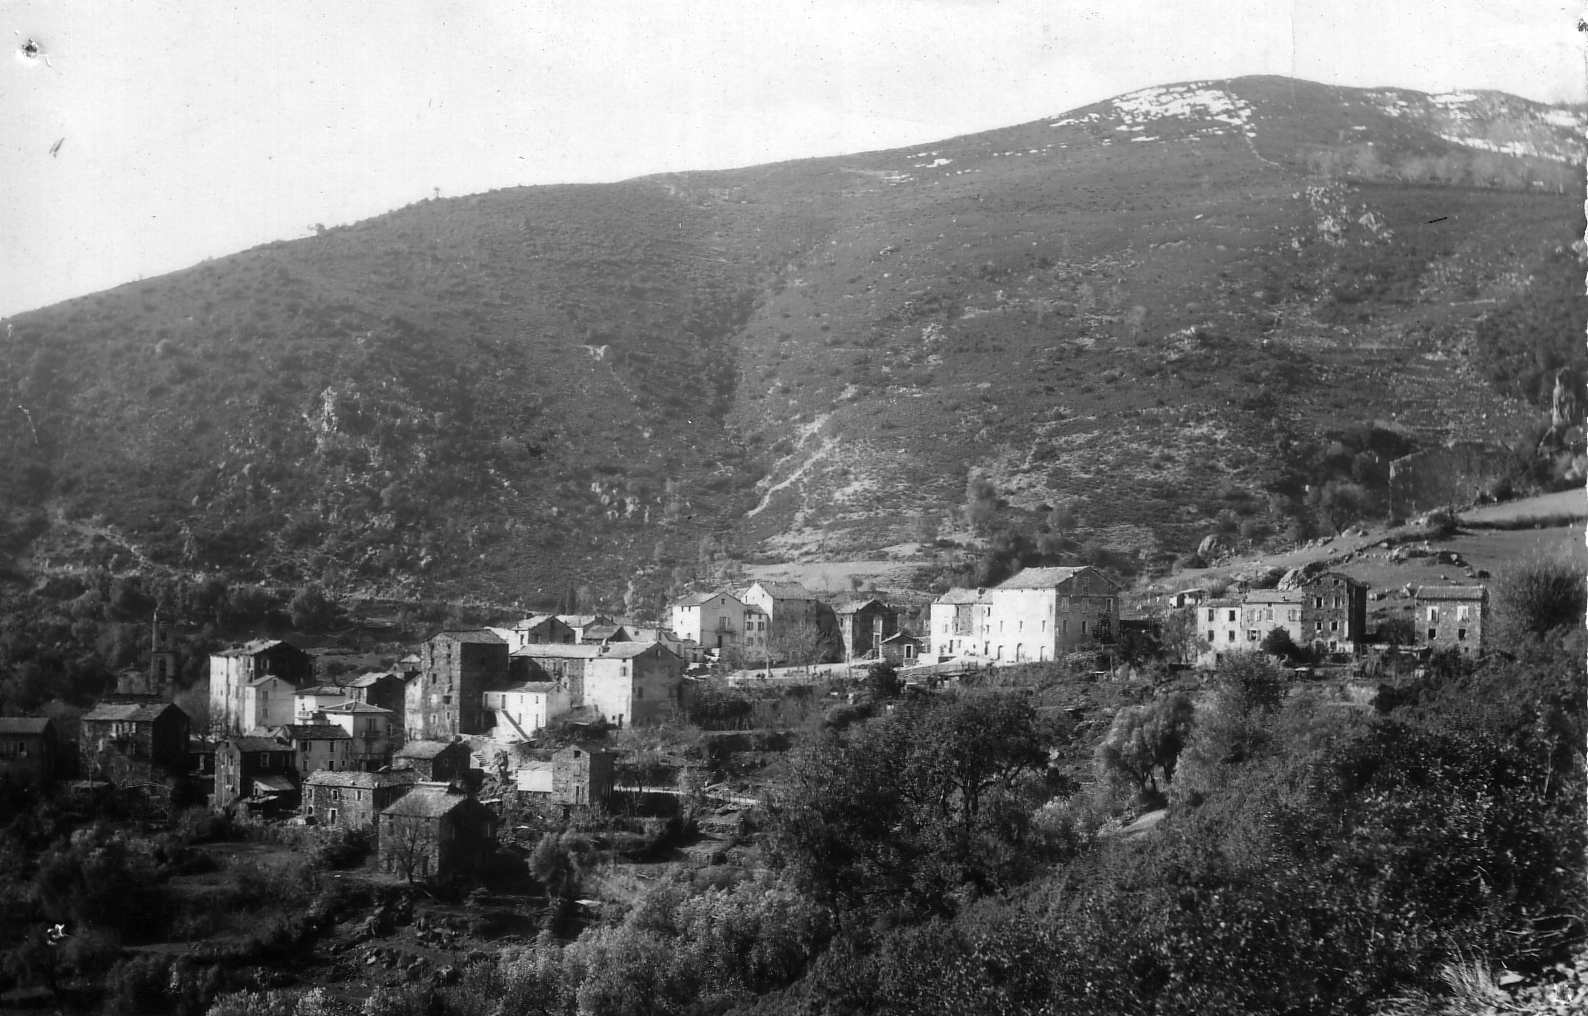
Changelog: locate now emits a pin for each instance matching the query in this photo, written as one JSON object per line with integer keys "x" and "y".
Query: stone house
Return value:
{"x": 1451, "y": 617}
{"x": 29, "y": 749}
{"x": 352, "y": 800}
{"x": 788, "y": 605}
{"x": 439, "y": 761}
{"x": 1046, "y": 613}
{"x": 581, "y": 775}
{"x": 256, "y": 769}
{"x": 579, "y": 622}
{"x": 1219, "y": 624}
{"x": 436, "y": 831}
{"x": 381, "y": 688}
{"x": 713, "y": 620}
{"x": 237, "y": 670}
{"x": 951, "y": 622}
{"x": 902, "y": 649}
{"x": 597, "y": 633}
{"x": 757, "y": 628}
{"x": 317, "y": 746}
{"x": 374, "y": 733}
{"x": 456, "y": 668}
{"x": 524, "y": 709}
{"x": 633, "y": 683}
{"x": 863, "y": 625}
{"x": 133, "y": 742}
{"x": 1333, "y": 611}
{"x": 306, "y": 702}
{"x": 1263, "y": 610}
{"x": 540, "y": 629}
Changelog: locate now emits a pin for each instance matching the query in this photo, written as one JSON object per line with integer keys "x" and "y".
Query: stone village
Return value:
{"x": 403, "y": 752}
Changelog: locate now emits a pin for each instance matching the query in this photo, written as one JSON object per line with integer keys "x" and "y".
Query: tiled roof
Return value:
{"x": 426, "y": 800}
{"x": 584, "y": 651}
{"x": 23, "y": 724}
{"x": 958, "y": 595}
{"x": 481, "y": 636}
{"x": 370, "y": 679}
{"x": 128, "y": 712}
{"x": 313, "y": 732}
{"x": 323, "y": 690}
{"x": 533, "y": 687}
{"x": 360, "y": 708}
{"x": 855, "y": 606}
{"x": 425, "y": 749}
{"x": 696, "y": 599}
{"x": 1039, "y": 578}
{"x": 902, "y": 636}
{"x": 256, "y": 742}
{"x": 534, "y": 621}
{"x": 254, "y": 647}
{"x": 1451, "y": 592}
{"x": 1275, "y": 596}
{"x": 366, "y": 781}
{"x": 784, "y": 590}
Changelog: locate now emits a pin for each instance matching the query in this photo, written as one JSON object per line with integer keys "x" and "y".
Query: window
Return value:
{"x": 1433, "y": 633}
{"x": 1317, "y": 602}
{"x": 1334, "y": 625}
{"x": 1212, "y": 635}
{"x": 1231, "y": 634}
{"x": 1433, "y": 614}
{"x": 1232, "y": 615}
{"x": 639, "y": 693}
{"x": 1461, "y": 634}
{"x": 1083, "y": 627}
{"x": 1463, "y": 613}
{"x": 1251, "y": 634}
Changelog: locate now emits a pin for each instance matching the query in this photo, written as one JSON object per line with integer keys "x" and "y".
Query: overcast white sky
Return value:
{"x": 190, "y": 130}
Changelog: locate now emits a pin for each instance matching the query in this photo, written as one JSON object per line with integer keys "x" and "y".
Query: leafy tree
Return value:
{"x": 981, "y": 501}
{"x": 1340, "y": 503}
{"x": 311, "y": 610}
{"x": 1145, "y": 741}
{"x": 882, "y": 681}
{"x": 913, "y": 808}
{"x": 1279, "y": 643}
{"x": 1539, "y": 598}
{"x": 1181, "y": 638}
{"x": 1397, "y": 631}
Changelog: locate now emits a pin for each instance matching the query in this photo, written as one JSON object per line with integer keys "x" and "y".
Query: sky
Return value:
{"x": 142, "y": 136}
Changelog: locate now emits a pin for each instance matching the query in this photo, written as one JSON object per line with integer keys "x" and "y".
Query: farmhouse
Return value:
{"x": 455, "y": 670}
{"x": 1046, "y": 613}
{"x": 952, "y": 622}
{"x": 712, "y": 620}
{"x": 1333, "y": 611}
{"x": 352, "y": 800}
{"x": 1451, "y": 617}
{"x": 435, "y": 832}
{"x": 901, "y": 649}
{"x": 1263, "y": 610}
{"x": 316, "y": 746}
{"x": 254, "y": 768}
{"x": 863, "y": 625}
{"x": 141, "y": 741}
{"x": 373, "y": 733}
{"x": 434, "y": 760}
{"x": 251, "y": 685}
{"x": 29, "y": 749}
{"x": 539, "y": 629}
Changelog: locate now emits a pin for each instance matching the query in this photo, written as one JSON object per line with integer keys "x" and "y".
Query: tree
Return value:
{"x": 1279, "y": 643}
{"x": 981, "y": 501}
{"x": 1539, "y": 598}
{"x": 913, "y": 808}
{"x": 1144, "y": 741}
{"x": 1397, "y": 631}
{"x": 1340, "y": 503}
{"x": 311, "y": 610}
{"x": 882, "y": 681}
{"x": 1179, "y": 635}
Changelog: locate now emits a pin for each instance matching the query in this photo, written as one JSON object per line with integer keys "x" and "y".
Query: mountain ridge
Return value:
{"x": 617, "y": 386}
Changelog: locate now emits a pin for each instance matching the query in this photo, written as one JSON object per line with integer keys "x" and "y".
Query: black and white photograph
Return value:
{"x": 534, "y": 508}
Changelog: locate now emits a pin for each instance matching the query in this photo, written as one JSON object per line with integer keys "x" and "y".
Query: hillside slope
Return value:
{"x": 1145, "y": 312}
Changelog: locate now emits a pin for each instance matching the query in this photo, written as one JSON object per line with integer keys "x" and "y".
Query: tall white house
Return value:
{"x": 712, "y": 620}
{"x": 1046, "y": 613}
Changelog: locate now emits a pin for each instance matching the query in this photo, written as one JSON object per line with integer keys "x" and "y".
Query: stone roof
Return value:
{"x": 902, "y": 636}
{"x": 23, "y": 724}
{"x": 362, "y": 708}
{"x": 256, "y": 742}
{"x": 534, "y": 621}
{"x": 254, "y": 648}
{"x": 959, "y": 595}
{"x": 426, "y": 800}
{"x": 533, "y": 687}
{"x": 856, "y": 606}
{"x": 425, "y": 749}
{"x": 696, "y": 599}
{"x": 313, "y": 732}
{"x": 369, "y": 679}
{"x": 323, "y": 689}
{"x": 1275, "y": 596}
{"x": 783, "y": 590}
{"x": 1040, "y": 578}
{"x": 585, "y": 650}
{"x": 128, "y": 712}
{"x": 364, "y": 781}
{"x": 479, "y": 636}
{"x": 1451, "y": 592}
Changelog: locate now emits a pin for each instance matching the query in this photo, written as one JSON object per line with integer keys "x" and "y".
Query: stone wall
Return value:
{"x": 1453, "y": 475}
